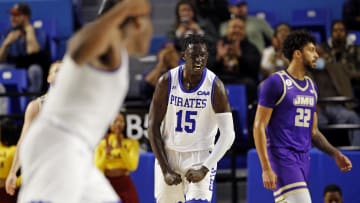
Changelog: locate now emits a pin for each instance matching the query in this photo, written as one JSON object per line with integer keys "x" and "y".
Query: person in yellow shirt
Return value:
{"x": 116, "y": 156}
{"x": 9, "y": 133}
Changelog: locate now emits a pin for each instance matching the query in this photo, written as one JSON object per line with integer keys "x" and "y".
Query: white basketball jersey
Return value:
{"x": 189, "y": 123}
{"x": 84, "y": 100}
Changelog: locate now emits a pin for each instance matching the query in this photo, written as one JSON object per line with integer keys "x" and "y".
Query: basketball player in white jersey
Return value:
{"x": 57, "y": 152}
{"x": 189, "y": 105}
{"x": 32, "y": 110}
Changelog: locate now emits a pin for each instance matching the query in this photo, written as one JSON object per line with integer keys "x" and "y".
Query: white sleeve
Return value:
{"x": 225, "y": 140}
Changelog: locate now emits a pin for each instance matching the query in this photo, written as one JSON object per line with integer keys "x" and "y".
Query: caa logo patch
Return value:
{"x": 206, "y": 93}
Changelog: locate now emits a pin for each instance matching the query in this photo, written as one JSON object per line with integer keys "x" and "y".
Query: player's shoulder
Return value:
{"x": 274, "y": 78}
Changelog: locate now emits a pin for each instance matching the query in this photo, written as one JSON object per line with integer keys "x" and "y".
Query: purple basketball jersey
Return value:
{"x": 292, "y": 117}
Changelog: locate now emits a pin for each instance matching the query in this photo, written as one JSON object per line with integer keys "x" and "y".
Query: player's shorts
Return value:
{"x": 292, "y": 170}
{"x": 59, "y": 168}
{"x": 181, "y": 162}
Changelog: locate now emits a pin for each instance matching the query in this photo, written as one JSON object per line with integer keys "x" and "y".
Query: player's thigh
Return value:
{"x": 165, "y": 193}
{"x": 98, "y": 189}
{"x": 300, "y": 196}
{"x": 201, "y": 191}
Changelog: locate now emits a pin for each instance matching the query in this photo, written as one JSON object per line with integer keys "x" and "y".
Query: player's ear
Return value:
{"x": 297, "y": 53}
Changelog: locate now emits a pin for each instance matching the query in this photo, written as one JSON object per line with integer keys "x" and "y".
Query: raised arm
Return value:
{"x": 96, "y": 39}
{"x": 319, "y": 141}
{"x": 31, "y": 112}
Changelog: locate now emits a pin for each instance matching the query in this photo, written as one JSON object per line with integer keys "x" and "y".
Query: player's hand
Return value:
{"x": 10, "y": 184}
{"x": 269, "y": 179}
{"x": 343, "y": 162}
{"x": 194, "y": 176}
{"x": 172, "y": 178}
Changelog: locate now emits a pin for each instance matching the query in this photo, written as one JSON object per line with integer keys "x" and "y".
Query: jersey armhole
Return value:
{"x": 284, "y": 88}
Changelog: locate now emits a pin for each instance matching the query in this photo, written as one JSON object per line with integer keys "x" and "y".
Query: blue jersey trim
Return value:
{"x": 212, "y": 90}
{"x": 169, "y": 85}
{"x": 198, "y": 85}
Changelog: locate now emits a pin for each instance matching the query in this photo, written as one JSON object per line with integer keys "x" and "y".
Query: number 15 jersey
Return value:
{"x": 294, "y": 103}
{"x": 189, "y": 123}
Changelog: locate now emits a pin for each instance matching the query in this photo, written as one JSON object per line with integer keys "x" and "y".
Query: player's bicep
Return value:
{"x": 262, "y": 116}
{"x": 220, "y": 98}
{"x": 159, "y": 102}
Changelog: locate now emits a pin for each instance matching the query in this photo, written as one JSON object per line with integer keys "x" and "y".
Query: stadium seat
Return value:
{"x": 315, "y": 19}
{"x": 49, "y": 26}
{"x": 269, "y": 16}
{"x": 15, "y": 81}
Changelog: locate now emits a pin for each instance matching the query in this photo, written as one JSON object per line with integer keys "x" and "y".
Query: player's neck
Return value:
{"x": 297, "y": 71}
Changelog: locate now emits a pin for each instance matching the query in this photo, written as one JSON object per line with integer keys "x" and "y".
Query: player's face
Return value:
{"x": 309, "y": 56}
{"x": 140, "y": 38}
{"x": 118, "y": 124}
{"x": 54, "y": 69}
{"x": 332, "y": 197}
{"x": 196, "y": 56}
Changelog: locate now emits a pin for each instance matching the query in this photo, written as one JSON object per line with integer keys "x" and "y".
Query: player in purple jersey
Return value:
{"x": 286, "y": 124}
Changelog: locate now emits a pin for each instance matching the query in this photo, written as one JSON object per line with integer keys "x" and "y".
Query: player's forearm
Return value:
{"x": 319, "y": 141}
{"x": 157, "y": 145}
{"x": 260, "y": 144}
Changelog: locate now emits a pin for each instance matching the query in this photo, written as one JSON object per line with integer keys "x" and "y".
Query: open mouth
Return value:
{"x": 197, "y": 66}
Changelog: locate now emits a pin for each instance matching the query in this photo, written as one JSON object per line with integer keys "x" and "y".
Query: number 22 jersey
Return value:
{"x": 190, "y": 123}
{"x": 294, "y": 103}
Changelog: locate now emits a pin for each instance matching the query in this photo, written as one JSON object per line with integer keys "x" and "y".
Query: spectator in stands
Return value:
{"x": 237, "y": 59}
{"x": 333, "y": 74}
{"x": 117, "y": 156}
{"x": 187, "y": 23}
{"x": 351, "y": 14}
{"x": 258, "y": 30}
{"x": 24, "y": 46}
{"x": 272, "y": 58}
{"x": 8, "y": 137}
{"x": 332, "y": 194}
{"x": 77, "y": 14}
{"x": 167, "y": 58}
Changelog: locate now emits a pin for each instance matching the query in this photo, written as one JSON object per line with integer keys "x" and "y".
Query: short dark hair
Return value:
{"x": 193, "y": 39}
{"x": 336, "y": 22}
{"x": 10, "y": 132}
{"x": 296, "y": 40}
{"x": 332, "y": 188}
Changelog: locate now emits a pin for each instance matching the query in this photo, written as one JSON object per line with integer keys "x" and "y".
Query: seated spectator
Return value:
{"x": 333, "y": 77}
{"x": 258, "y": 30}
{"x": 351, "y": 14}
{"x": 24, "y": 46}
{"x": 187, "y": 22}
{"x": 332, "y": 194}
{"x": 272, "y": 58}
{"x": 167, "y": 58}
{"x": 117, "y": 156}
{"x": 8, "y": 137}
{"x": 237, "y": 59}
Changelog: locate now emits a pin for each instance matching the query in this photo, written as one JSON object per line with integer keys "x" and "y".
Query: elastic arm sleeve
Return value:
{"x": 225, "y": 140}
